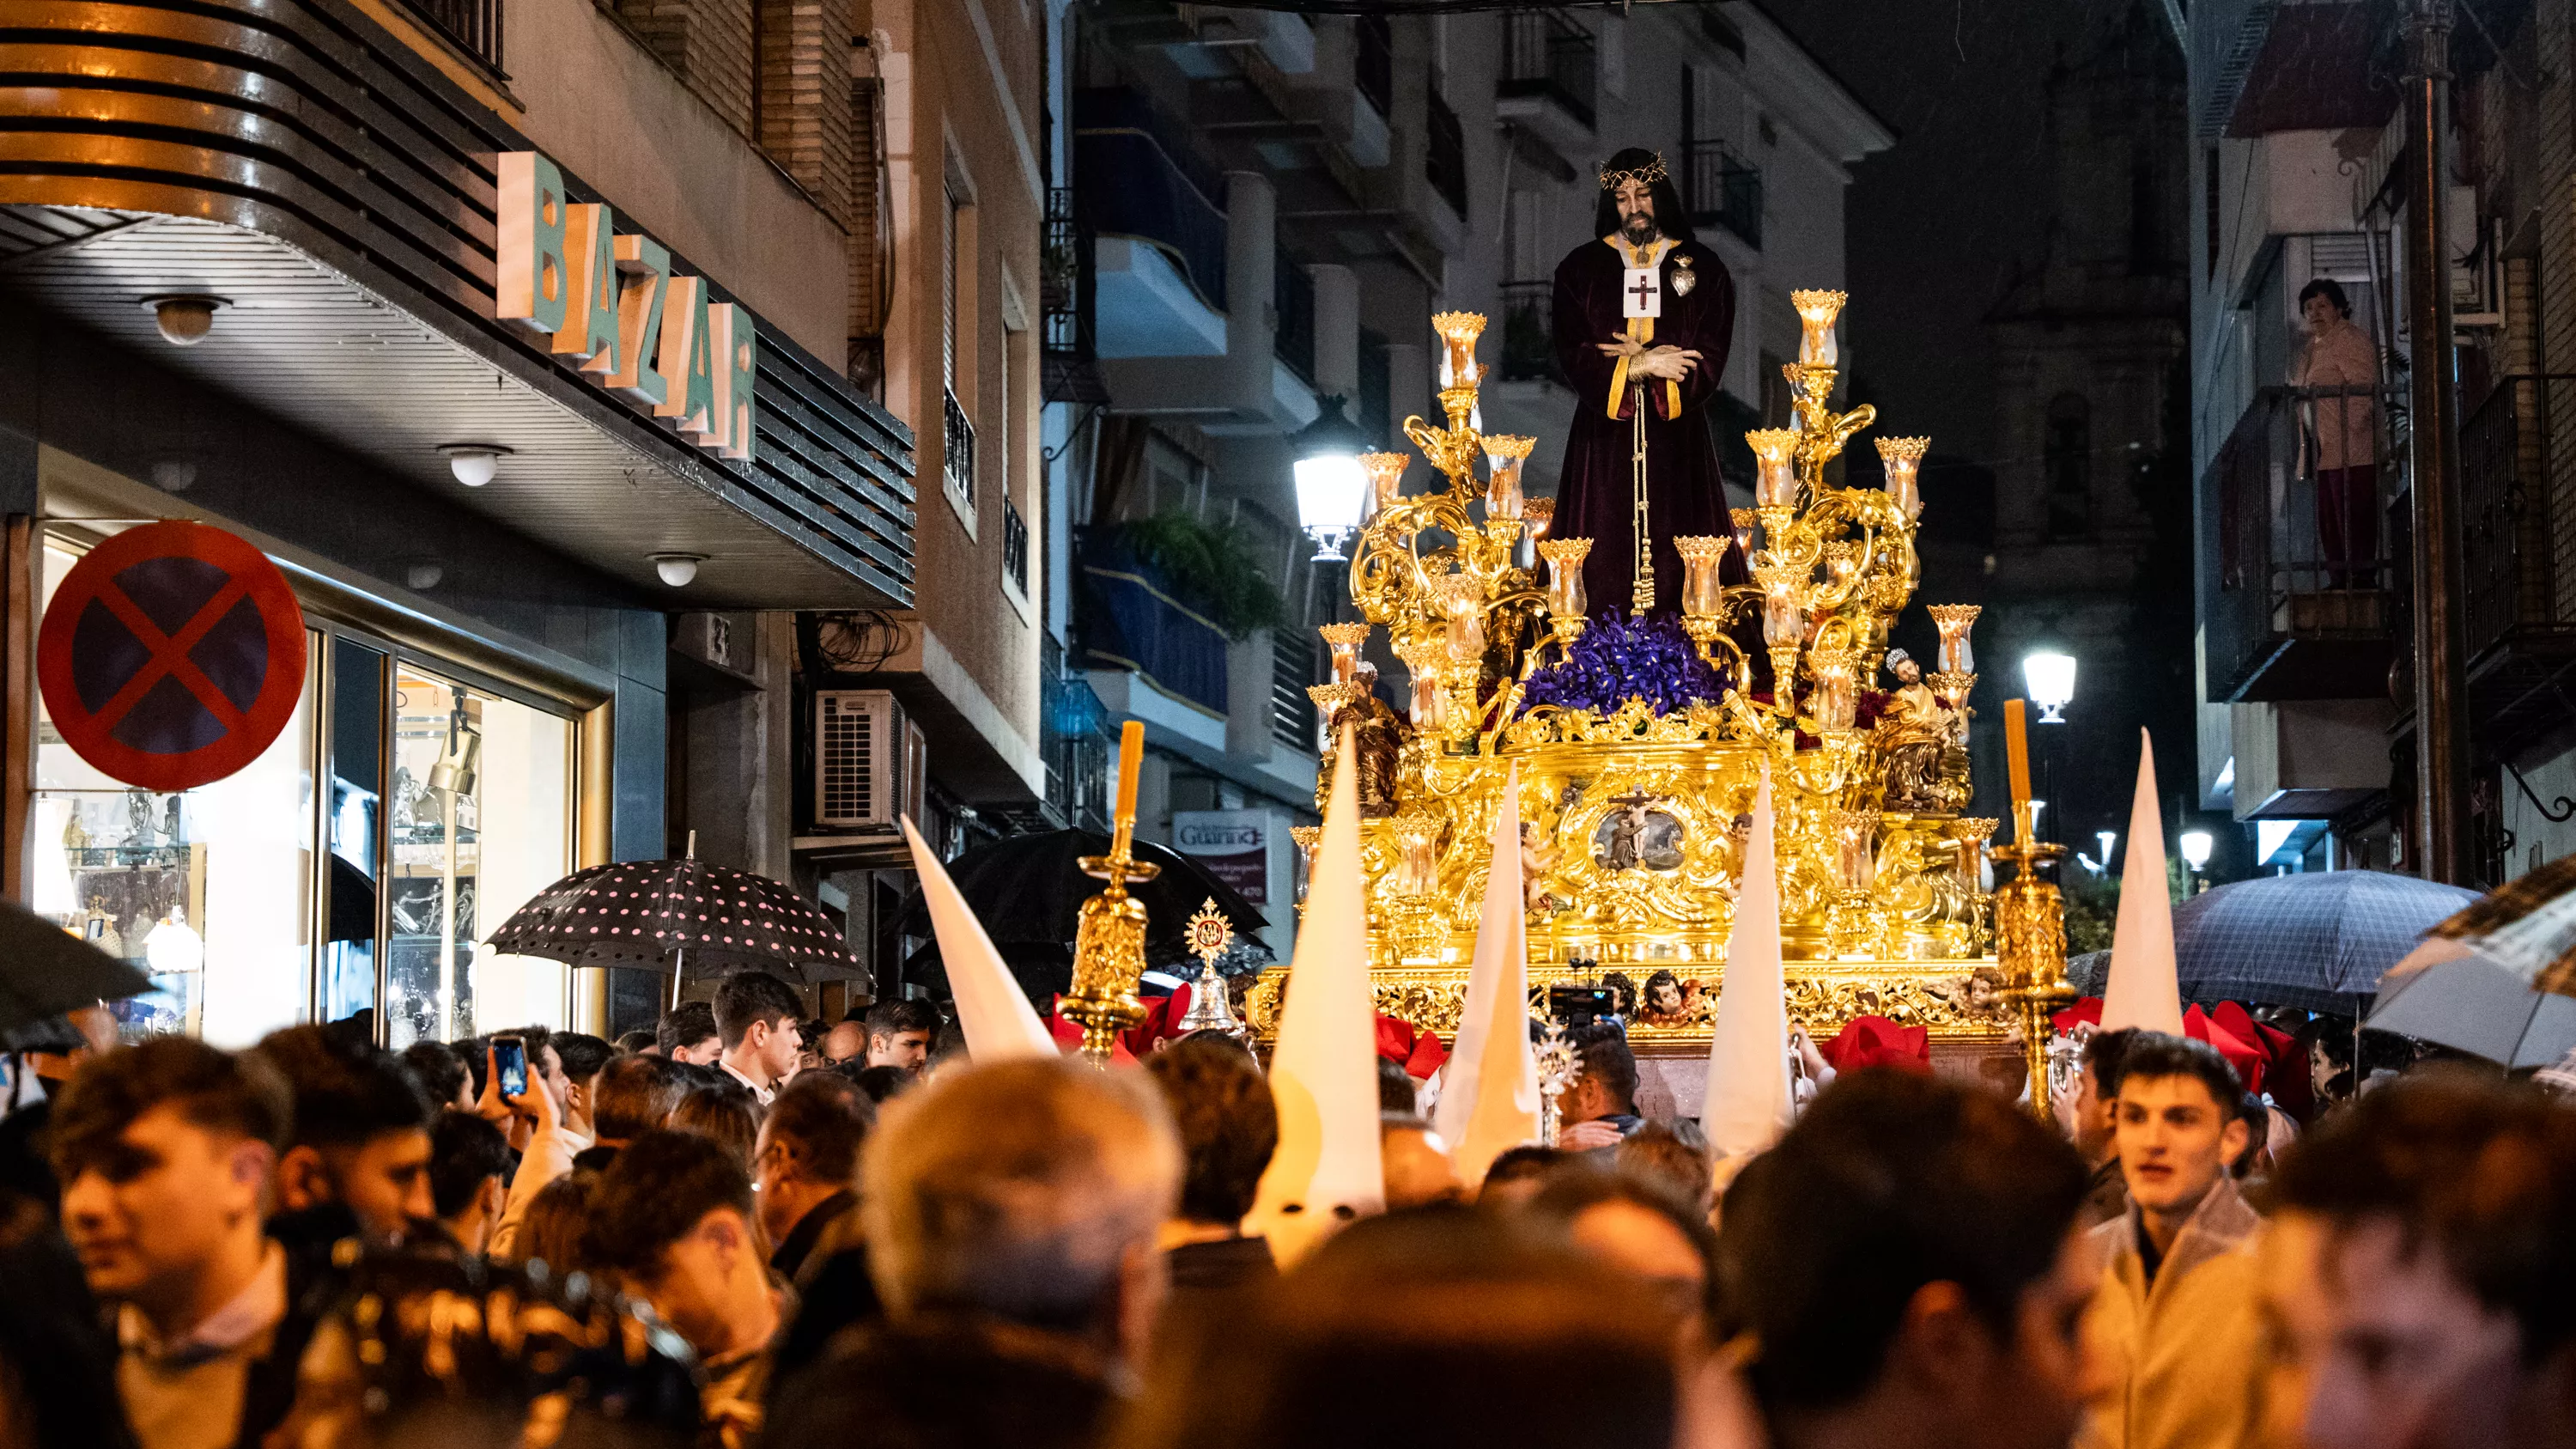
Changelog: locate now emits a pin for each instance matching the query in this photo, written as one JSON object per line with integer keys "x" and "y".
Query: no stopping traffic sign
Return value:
{"x": 171, "y": 655}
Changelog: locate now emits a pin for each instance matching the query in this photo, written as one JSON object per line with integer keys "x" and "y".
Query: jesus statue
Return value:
{"x": 1643, "y": 318}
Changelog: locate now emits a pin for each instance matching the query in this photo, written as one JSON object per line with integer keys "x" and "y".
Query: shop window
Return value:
{"x": 479, "y": 817}
{"x": 442, "y": 809}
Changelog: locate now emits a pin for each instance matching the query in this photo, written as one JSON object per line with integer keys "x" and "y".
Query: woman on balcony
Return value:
{"x": 2339, "y": 433}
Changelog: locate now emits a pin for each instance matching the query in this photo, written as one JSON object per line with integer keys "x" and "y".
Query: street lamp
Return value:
{"x": 1332, "y": 487}
{"x": 2195, "y": 851}
{"x": 2050, "y": 679}
{"x": 2107, "y": 838}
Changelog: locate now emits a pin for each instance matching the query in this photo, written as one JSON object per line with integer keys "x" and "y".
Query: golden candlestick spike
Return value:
{"x": 1109, "y": 941}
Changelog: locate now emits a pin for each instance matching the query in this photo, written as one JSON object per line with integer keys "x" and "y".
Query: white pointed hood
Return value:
{"x": 991, "y": 1009}
{"x": 2145, "y": 985}
{"x": 1489, "y": 1100}
{"x": 1323, "y": 1074}
{"x": 1749, "y": 1101}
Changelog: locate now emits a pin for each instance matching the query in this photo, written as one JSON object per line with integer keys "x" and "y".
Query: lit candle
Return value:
{"x": 1816, "y": 311}
{"x": 1565, "y": 576}
{"x": 1903, "y": 457}
{"x": 1386, "y": 478}
{"x": 1504, "y": 455}
{"x": 1701, "y": 591}
{"x": 1775, "y": 479}
{"x": 2017, "y": 760}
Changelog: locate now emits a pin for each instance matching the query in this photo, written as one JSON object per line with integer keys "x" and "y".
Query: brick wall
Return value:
{"x": 709, "y": 42}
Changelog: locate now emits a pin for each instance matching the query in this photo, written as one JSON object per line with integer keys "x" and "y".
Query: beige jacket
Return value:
{"x": 2182, "y": 1354}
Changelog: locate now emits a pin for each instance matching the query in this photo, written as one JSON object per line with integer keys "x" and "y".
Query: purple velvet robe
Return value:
{"x": 1594, "y": 490}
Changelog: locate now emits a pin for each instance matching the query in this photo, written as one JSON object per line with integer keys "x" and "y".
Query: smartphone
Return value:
{"x": 510, "y": 1058}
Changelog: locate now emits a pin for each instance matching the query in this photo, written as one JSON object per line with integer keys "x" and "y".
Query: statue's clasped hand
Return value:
{"x": 1670, "y": 363}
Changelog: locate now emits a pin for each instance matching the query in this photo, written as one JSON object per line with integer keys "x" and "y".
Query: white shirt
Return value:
{"x": 765, "y": 1094}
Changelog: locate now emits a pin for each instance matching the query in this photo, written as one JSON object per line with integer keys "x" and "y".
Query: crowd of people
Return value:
{"x": 744, "y": 1228}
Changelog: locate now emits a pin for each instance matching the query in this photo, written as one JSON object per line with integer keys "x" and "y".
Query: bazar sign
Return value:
{"x": 610, "y": 303}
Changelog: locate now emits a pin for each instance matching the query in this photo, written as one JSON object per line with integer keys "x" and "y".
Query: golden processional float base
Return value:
{"x": 1634, "y": 806}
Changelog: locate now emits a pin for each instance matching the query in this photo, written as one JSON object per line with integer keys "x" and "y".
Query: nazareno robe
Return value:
{"x": 1594, "y": 489}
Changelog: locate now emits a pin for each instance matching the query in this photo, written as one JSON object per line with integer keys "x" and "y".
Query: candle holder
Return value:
{"x": 1743, "y": 519}
{"x": 1538, "y": 513}
{"x": 1816, "y": 312}
{"x": 1504, "y": 455}
{"x": 1837, "y": 700}
{"x": 1566, "y": 605}
{"x": 1307, "y": 837}
{"x": 1558, "y": 1065}
{"x": 1109, "y": 932}
{"x": 1417, "y": 834}
{"x": 1345, "y": 641}
{"x": 1462, "y": 601}
{"x": 1954, "y": 621}
{"x": 1903, "y": 458}
{"x": 2030, "y": 949}
{"x": 1386, "y": 479}
{"x": 1458, "y": 333}
{"x": 1775, "y": 476}
{"x": 1429, "y": 704}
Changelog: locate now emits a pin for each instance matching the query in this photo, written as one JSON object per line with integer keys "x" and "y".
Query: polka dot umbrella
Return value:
{"x": 678, "y": 917}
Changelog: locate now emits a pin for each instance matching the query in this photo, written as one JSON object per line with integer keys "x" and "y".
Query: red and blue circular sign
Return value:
{"x": 171, "y": 655}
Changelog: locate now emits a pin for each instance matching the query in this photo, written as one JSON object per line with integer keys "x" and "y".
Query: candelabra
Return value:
{"x": 2030, "y": 947}
{"x": 1109, "y": 934}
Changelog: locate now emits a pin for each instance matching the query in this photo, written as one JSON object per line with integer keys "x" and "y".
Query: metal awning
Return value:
{"x": 317, "y": 348}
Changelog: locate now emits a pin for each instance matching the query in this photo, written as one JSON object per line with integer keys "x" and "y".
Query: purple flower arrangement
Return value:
{"x": 1623, "y": 658}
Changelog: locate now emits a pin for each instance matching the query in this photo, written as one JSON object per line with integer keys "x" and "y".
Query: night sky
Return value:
{"x": 1939, "y": 222}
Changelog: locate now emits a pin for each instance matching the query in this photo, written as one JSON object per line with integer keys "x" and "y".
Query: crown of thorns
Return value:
{"x": 1649, "y": 174}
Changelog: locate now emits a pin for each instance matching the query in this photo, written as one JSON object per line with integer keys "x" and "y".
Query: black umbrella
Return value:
{"x": 46, "y": 971}
{"x": 679, "y": 917}
{"x": 1028, "y": 890}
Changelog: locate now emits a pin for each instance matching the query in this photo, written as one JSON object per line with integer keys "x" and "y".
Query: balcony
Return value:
{"x": 1373, "y": 61}
{"x": 2522, "y": 649}
{"x": 1550, "y": 77}
{"x": 1529, "y": 342}
{"x": 1723, "y": 189}
{"x": 1293, "y": 301}
{"x": 2297, "y": 596}
{"x": 1135, "y": 182}
{"x": 474, "y": 26}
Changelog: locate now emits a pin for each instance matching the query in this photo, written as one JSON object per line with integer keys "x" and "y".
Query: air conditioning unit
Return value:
{"x": 871, "y": 762}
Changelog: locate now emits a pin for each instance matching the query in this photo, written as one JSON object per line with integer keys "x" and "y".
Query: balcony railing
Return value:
{"x": 957, "y": 449}
{"x": 1293, "y": 297}
{"x": 1373, "y": 61}
{"x": 1444, "y": 154}
{"x": 2504, "y": 510}
{"x": 1529, "y": 342}
{"x": 1723, "y": 189}
{"x": 475, "y": 25}
{"x": 1015, "y": 547}
{"x": 1549, "y": 56}
{"x": 1064, "y": 290}
{"x": 1134, "y": 178}
{"x": 2300, "y": 601}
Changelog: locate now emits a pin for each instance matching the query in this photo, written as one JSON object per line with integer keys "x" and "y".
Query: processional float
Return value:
{"x": 1639, "y": 744}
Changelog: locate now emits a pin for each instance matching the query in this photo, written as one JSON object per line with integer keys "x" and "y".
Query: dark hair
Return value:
{"x": 2482, "y": 1170}
{"x": 945, "y": 1382}
{"x": 345, "y": 1092}
{"x": 748, "y": 998}
{"x": 1673, "y": 1156}
{"x": 2331, "y": 290}
{"x": 2154, "y": 1054}
{"x": 2257, "y": 1117}
{"x": 633, "y": 1042}
{"x": 1892, "y": 1180}
{"x": 825, "y": 1117}
{"x": 439, "y": 1069}
{"x": 552, "y": 1229}
{"x": 2103, "y": 1054}
{"x": 581, "y": 1053}
{"x": 1395, "y": 1093}
{"x": 1528, "y": 1160}
{"x": 1671, "y": 218}
{"x": 688, "y": 1024}
{"x": 463, "y": 1151}
{"x": 1446, "y": 1316}
{"x": 1602, "y": 1047}
{"x": 216, "y": 1091}
{"x": 891, "y": 1018}
{"x": 1570, "y": 1194}
{"x": 1228, "y": 1124}
{"x": 883, "y": 1084}
{"x": 635, "y": 1094}
{"x": 656, "y": 1192}
{"x": 728, "y": 1115}
{"x": 56, "y": 1356}
{"x": 1623, "y": 993}
{"x": 1661, "y": 976}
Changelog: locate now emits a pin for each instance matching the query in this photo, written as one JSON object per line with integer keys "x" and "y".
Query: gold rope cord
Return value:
{"x": 1644, "y": 593}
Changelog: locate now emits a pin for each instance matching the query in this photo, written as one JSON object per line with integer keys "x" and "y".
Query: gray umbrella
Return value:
{"x": 2315, "y": 941}
{"x": 46, "y": 971}
{"x": 2450, "y": 993}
